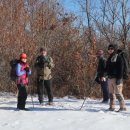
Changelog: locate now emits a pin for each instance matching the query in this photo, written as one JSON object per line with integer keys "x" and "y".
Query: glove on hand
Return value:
{"x": 26, "y": 69}
{"x": 97, "y": 80}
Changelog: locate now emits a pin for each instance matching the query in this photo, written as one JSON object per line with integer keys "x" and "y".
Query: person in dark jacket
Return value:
{"x": 22, "y": 72}
{"x": 44, "y": 65}
{"x": 114, "y": 68}
{"x": 101, "y": 75}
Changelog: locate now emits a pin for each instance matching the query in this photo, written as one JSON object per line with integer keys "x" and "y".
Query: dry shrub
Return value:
{"x": 73, "y": 54}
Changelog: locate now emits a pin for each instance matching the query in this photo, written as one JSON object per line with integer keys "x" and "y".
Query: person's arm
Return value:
{"x": 101, "y": 67}
{"x": 51, "y": 63}
{"x": 28, "y": 70}
{"x": 19, "y": 72}
{"x": 103, "y": 73}
{"x": 120, "y": 67}
{"x": 36, "y": 62}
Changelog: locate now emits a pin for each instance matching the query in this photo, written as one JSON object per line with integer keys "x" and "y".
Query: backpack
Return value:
{"x": 13, "y": 64}
{"x": 126, "y": 62}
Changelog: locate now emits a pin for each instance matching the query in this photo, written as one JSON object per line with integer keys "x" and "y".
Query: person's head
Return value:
{"x": 100, "y": 53}
{"x": 43, "y": 51}
{"x": 112, "y": 48}
{"x": 23, "y": 57}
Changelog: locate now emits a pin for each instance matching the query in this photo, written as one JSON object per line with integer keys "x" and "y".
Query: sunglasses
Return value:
{"x": 111, "y": 48}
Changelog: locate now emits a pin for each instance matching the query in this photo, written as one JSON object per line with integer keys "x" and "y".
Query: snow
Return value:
{"x": 64, "y": 115}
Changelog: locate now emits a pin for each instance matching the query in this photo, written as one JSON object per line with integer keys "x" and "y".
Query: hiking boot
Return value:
{"x": 42, "y": 104}
{"x": 104, "y": 101}
{"x": 25, "y": 109}
{"x": 122, "y": 109}
{"x": 50, "y": 103}
{"x": 111, "y": 109}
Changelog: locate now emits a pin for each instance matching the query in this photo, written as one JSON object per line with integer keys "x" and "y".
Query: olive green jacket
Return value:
{"x": 44, "y": 72}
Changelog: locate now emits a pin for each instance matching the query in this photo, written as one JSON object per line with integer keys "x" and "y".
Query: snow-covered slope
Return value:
{"x": 64, "y": 115}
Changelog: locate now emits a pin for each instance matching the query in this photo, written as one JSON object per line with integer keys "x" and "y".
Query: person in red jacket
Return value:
{"x": 22, "y": 72}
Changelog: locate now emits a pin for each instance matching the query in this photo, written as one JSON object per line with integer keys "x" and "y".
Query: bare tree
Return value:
{"x": 112, "y": 21}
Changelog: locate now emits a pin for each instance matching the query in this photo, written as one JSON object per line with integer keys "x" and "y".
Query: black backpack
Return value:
{"x": 126, "y": 61}
{"x": 13, "y": 64}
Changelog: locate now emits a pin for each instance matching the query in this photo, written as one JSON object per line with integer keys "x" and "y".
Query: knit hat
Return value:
{"x": 43, "y": 49}
{"x": 113, "y": 46}
{"x": 23, "y": 56}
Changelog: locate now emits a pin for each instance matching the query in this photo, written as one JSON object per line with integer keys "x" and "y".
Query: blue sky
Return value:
{"x": 70, "y": 5}
{"x": 74, "y": 7}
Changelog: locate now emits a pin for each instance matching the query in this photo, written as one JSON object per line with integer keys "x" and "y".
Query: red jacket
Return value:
{"x": 22, "y": 74}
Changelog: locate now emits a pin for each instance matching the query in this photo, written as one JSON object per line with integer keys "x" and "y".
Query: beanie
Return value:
{"x": 43, "y": 49}
{"x": 23, "y": 56}
{"x": 114, "y": 46}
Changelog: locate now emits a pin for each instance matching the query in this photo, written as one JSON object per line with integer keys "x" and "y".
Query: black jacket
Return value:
{"x": 114, "y": 66}
{"x": 41, "y": 60}
{"x": 101, "y": 67}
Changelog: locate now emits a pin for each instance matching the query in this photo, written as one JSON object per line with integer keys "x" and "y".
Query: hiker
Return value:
{"x": 22, "y": 72}
{"x": 101, "y": 75}
{"x": 114, "y": 68}
{"x": 44, "y": 65}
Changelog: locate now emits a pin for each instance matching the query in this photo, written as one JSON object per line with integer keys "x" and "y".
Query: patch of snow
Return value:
{"x": 65, "y": 114}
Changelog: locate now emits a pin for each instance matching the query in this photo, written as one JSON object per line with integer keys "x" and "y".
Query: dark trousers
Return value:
{"x": 22, "y": 96}
{"x": 44, "y": 84}
{"x": 104, "y": 88}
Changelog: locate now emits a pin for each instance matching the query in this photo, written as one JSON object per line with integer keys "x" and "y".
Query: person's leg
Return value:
{"x": 22, "y": 96}
{"x": 19, "y": 96}
{"x": 120, "y": 97}
{"x": 111, "y": 94}
{"x": 48, "y": 86}
{"x": 40, "y": 90}
{"x": 104, "y": 87}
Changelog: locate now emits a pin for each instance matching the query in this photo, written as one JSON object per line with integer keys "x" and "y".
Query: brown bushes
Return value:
{"x": 22, "y": 30}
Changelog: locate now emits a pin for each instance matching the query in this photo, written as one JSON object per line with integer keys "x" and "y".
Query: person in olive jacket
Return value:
{"x": 44, "y": 65}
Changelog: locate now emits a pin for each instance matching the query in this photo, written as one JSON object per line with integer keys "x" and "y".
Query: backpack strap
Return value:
{"x": 114, "y": 58}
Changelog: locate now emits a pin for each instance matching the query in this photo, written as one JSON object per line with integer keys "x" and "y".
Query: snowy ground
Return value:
{"x": 64, "y": 115}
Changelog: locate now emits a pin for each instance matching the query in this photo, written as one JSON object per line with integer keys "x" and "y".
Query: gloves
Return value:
{"x": 97, "y": 80}
{"x": 26, "y": 69}
{"x": 118, "y": 81}
{"x": 49, "y": 66}
{"x": 103, "y": 79}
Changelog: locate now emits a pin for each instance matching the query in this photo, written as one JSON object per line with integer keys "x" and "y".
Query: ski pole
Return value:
{"x": 32, "y": 100}
{"x": 31, "y": 96}
{"x": 88, "y": 94}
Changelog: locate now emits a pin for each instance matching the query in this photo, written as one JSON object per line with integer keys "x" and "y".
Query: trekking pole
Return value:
{"x": 32, "y": 98}
{"x": 31, "y": 95}
{"x": 32, "y": 101}
{"x": 43, "y": 90}
{"x": 43, "y": 86}
{"x": 90, "y": 91}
